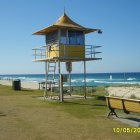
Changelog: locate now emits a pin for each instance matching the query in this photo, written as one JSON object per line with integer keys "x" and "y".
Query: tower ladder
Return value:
{"x": 51, "y": 68}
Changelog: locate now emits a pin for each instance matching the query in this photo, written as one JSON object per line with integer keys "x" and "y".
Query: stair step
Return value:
{"x": 50, "y": 70}
{"x": 52, "y": 62}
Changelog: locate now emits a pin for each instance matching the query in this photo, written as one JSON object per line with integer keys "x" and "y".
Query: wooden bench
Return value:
{"x": 127, "y": 105}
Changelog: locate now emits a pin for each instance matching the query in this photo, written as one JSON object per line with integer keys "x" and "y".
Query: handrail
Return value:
{"x": 43, "y": 52}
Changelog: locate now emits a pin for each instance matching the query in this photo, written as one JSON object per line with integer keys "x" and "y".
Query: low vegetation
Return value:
{"x": 23, "y": 116}
{"x": 133, "y": 96}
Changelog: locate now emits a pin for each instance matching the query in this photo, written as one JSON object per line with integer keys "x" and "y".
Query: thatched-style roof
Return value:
{"x": 64, "y": 22}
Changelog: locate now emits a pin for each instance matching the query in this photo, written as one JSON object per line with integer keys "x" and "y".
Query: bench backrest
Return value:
{"x": 129, "y": 105}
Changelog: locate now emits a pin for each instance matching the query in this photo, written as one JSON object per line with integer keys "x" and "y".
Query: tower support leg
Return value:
{"x": 61, "y": 87}
{"x": 70, "y": 82}
{"x": 46, "y": 78}
{"x": 60, "y": 83}
{"x": 85, "y": 91}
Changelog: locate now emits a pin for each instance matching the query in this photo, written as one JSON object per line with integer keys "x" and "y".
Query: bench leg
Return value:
{"x": 111, "y": 113}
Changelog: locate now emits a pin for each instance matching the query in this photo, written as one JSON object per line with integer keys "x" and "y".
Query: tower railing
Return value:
{"x": 43, "y": 53}
{"x": 39, "y": 53}
{"x": 90, "y": 51}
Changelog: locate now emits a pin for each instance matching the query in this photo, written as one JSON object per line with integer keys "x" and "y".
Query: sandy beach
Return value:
{"x": 27, "y": 85}
{"x": 123, "y": 92}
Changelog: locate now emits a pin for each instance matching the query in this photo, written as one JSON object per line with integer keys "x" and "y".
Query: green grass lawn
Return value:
{"x": 24, "y": 117}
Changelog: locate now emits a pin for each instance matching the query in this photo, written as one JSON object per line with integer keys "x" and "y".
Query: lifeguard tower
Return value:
{"x": 65, "y": 42}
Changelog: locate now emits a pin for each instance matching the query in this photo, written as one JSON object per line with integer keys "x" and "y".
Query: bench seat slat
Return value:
{"x": 132, "y": 106}
{"x": 116, "y": 104}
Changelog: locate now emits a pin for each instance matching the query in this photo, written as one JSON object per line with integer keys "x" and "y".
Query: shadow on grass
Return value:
{"x": 133, "y": 119}
{"x": 85, "y": 104}
{"x": 78, "y": 103}
{"x": 1, "y": 114}
{"x": 26, "y": 90}
{"x": 102, "y": 98}
{"x": 136, "y": 119}
{"x": 37, "y": 96}
{"x": 99, "y": 105}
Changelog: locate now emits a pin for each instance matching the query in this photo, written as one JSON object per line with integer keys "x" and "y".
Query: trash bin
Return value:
{"x": 16, "y": 85}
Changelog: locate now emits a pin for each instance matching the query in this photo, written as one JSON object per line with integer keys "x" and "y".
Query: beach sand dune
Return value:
{"x": 124, "y": 92}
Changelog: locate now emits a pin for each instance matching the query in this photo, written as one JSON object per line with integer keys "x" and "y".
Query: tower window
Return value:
{"x": 63, "y": 38}
{"x": 51, "y": 37}
{"x": 76, "y": 37}
{"x": 79, "y": 38}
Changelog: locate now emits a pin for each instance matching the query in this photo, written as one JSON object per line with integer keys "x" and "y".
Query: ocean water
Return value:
{"x": 92, "y": 79}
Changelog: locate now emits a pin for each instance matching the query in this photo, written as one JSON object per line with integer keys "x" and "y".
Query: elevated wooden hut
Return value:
{"x": 65, "y": 42}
